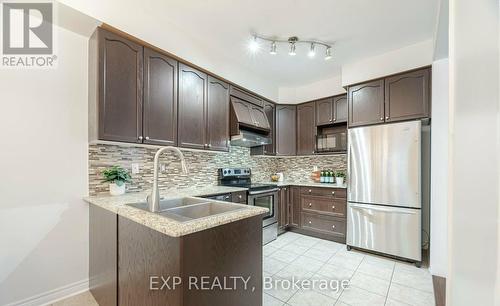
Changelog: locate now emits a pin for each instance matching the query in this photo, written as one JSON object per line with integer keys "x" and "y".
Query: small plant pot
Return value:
{"x": 339, "y": 181}
{"x": 116, "y": 190}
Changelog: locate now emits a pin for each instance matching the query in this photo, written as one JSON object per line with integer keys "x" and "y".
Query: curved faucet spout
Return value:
{"x": 154, "y": 197}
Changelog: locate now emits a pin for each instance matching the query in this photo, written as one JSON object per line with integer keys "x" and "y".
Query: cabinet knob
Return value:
{"x": 240, "y": 196}
{"x": 285, "y": 188}
{"x": 140, "y": 137}
{"x": 310, "y": 190}
{"x": 331, "y": 120}
{"x": 310, "y": 205}
{"x": 387, "y": 118}
{"x": 333, "y": 226}
{"x": 333, "y": 192}
{"x": 333, "y": 206}
{"x": 381, "y": 118}
{"x": 334, "y": 120}
{"x": 147, "y": 137}
{"x": 206, "y": 145}
{"x": 209, "y": 145}
{"x": 310, "y": 222}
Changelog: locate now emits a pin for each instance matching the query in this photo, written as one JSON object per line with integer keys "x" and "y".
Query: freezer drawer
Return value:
{"x": 390, "y": 230}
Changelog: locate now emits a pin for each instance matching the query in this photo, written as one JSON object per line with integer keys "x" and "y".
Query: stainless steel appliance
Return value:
{"x": 263, "y": 195}
{"x": 385, "y": 183}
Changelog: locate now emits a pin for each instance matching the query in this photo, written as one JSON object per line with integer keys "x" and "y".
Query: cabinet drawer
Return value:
{"x": 323, "y": 191}
{"x": 324, "y": 224}
{"x": 327, "y": 205}
{"x": 239, "y": 197}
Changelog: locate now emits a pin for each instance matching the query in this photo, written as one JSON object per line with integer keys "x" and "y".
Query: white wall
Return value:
{"x": 145, "y": 20}
{"x": 320, "y": 89}
{"x": 439, "y": 168}
{"x": 474, "y": 234}
{"x": 407, "y": 58}
{"x": 43, "y": 220}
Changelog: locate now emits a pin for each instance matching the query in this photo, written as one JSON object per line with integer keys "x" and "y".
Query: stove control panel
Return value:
{"x": 227, "y": 172}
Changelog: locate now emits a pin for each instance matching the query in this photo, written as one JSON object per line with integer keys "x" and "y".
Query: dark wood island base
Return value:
{"x": 130, "y": 264}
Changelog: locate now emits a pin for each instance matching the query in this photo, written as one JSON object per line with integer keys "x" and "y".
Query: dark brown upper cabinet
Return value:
{"x": 119, "y": 88}
{"x": 217, "y": 115}
{"x": 340, "y": 109}
{"x": 286, "y": 129}
{"x": 366, "y": 103}
{"x": 160, "y": 99}
{"x": 306, "y": 129}
{"x": 245, "y": 96}
{"x": 407, "y": 96}
{"x": 192, "y": 101}
{"x": 324, "y": 111}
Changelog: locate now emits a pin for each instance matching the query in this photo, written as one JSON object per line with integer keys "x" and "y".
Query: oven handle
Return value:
{"x": 263, "y": 191}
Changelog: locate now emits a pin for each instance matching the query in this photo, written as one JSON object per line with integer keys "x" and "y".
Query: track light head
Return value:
{"x": 312, "y": 52}
{"x": 273, "y": 48}
{"x": 328, "y": 53}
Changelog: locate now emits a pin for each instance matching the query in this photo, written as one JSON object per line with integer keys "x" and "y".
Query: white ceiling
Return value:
{"x": 359, "y": 28}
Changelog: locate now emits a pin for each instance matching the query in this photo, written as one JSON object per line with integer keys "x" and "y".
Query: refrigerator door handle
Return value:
{"x": 393, "y": 211}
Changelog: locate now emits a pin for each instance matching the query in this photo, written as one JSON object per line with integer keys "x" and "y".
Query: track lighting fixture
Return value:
{"x": 273, "y": 48}
{"x": 292, "y": 42}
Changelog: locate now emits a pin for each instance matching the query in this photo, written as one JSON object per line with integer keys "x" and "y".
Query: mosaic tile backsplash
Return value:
{"x": 202, "y": 166}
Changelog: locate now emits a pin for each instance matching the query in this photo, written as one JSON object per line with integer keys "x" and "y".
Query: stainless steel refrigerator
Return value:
{"x": 387, "y": 187}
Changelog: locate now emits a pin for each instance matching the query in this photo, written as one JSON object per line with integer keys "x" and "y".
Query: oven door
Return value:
{"x": 267, "y": 199}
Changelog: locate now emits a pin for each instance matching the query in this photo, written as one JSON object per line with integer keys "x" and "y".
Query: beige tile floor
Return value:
{"x": 374, "y": 280}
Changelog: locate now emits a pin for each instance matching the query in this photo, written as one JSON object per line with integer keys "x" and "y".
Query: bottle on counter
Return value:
{"x": 330, "y": 177}
{"x": 327, "y": 176}
{"x": 322, "y": 176}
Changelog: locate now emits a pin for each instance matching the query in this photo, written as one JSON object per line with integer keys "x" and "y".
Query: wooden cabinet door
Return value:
{"x": 218, "y": 115}
{"x": 259, "y": 117}
{"x": 192, "y": 99}
{"x": 285, "y": 130}
{"x": 294, "y": 202}
{"x": 160, "y": 99}
{"x": 366, "y": 103}
{"x": 306, "y": 129}
{"x": 269, "y": 110}
{"x": 283, "y": 208}
{"x": 340, "y": 109}
{"x": 120, "y": 88}
{"x": 324, "y": 111}
{"x": 407, "y": 96}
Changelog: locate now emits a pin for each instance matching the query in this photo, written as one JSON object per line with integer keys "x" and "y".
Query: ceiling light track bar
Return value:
{"x": 292, "y": 39}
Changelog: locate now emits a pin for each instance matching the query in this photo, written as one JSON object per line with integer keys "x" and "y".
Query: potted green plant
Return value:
{"x": 339, "y": 178}
{"x": 116, "y": 176}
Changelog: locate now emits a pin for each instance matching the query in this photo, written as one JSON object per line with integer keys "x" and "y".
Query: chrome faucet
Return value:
{"x": 154, "y": 198}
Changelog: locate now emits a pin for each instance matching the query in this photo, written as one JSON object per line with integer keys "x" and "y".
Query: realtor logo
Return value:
{"x": 27, "y": 29}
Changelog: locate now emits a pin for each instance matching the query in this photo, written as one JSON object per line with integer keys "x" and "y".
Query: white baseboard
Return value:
{"x": 54, "y": 295}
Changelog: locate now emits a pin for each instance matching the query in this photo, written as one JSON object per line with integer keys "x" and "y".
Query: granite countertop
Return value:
{"x": 306, "y": 184}
{"x": 170, "y": 227}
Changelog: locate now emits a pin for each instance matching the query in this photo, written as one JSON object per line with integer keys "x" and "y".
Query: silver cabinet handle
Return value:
{"x": 310, "y": 222}
{"x": 147, "y": 137}
{"x": 333, "y": 226}
{"x": 387, "y": 118}
{"x": 333, "y": 207}
{"x": 310, "y": 190}
{"x": 140, "y": 137}
{"x": 240, "y": 196}
{"x": 381, "y": 118}
{"x": 310, "y": 205}
{"x": 333, "y": 192}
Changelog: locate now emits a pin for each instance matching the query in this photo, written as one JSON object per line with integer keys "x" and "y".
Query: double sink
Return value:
{"x": 190, "y": 208}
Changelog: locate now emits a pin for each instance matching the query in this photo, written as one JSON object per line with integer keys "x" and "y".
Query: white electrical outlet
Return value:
{"x": 135, "y": 168}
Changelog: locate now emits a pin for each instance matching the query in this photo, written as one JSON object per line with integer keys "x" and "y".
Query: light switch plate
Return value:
{"x": 135, "y": 168}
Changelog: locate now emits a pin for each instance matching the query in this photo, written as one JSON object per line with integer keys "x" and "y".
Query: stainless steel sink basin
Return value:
{"x": 170, "y": 203}
{"x": 198, "y": 211}
{"x": 189, "y": 208}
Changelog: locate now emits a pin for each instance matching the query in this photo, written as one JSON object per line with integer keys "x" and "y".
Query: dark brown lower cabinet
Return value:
{"x": 294, "y": 203}
{"x": 318, "y": 212}
{"x": 283, "y": 208}
{"x": 127, "y": 259}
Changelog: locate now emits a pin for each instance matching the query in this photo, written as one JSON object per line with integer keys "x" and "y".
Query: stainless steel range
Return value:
{"x": 263, "y": 195}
